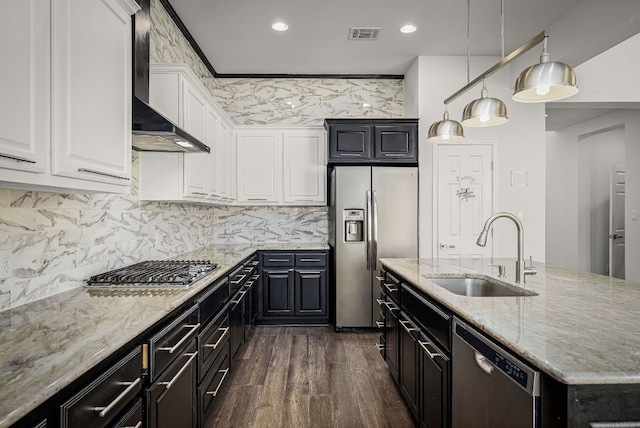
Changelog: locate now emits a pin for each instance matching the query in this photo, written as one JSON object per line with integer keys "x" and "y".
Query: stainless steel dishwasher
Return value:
{"x": 490, "y": 386}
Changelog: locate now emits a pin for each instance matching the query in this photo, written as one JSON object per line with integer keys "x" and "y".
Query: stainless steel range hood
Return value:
{"x": 151, "y": 131}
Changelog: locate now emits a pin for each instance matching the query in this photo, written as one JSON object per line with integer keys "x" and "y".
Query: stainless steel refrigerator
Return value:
{"x": 373, "y": 214}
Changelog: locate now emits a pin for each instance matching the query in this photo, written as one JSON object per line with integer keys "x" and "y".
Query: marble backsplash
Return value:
{"x": 286, "y": 101}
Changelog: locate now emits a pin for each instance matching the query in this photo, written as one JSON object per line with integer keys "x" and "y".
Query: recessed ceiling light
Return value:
{"x": 280, "y": 26}
{"x": 409, "y": 28}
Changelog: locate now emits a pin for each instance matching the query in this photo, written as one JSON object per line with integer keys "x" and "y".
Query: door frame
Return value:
{"x": 494, "y": 193}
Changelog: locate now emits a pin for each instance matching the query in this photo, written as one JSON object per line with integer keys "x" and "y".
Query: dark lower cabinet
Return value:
{"x": 409, "y": 367}
{"x": 434, "y": 381}
{"x": 293, "y": 288}
{"x": 393, "y": 338}
{"x": 277, "y": 292}
{"x": 236, "y": 322}
{"x": 171, "y": 398}
{"x": 310, "y": 292}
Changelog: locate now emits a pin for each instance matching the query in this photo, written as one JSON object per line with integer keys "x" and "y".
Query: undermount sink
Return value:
{"x": 480, "y": 287}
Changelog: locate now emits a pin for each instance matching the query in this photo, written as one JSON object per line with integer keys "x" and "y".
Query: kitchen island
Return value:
{"x": 581, "y": 330}
{"x": 46, "y": 345}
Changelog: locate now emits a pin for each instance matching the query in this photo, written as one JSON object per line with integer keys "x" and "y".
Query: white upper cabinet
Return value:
{"x": 281, "y": 166}
{"x": 259, "y": 166}
{"x": 65, "y": 116}
{"x": 304, "y": 167}
{"x": 24, "y": 85}
{"x": 176, "y": 92}
{"x": 91, "y": 43}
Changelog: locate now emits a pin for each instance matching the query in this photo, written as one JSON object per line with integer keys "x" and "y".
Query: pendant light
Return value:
{"x": 485, "y": 111}
{"x": 546, "y": 81}
{"x": 445, "y": 129}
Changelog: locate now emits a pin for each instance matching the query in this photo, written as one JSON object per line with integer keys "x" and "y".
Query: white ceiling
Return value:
{"x": 236, "y": 35}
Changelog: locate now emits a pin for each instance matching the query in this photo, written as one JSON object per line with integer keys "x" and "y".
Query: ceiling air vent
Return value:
{"x": 361, "y": 33}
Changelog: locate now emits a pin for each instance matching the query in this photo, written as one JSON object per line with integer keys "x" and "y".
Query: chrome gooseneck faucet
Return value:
{"x": 521, "y": 269}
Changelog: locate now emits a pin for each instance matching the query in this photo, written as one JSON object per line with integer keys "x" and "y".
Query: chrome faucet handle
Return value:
{"x": 501, "y": 270}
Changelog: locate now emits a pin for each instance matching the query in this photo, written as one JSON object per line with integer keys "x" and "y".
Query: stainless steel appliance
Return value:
{"x": 373, "y": 214}
{"x": 155, "y": 273}
{"x": 490, "y": 386}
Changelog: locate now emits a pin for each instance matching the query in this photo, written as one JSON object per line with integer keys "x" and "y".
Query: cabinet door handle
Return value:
{"x": 395, "y": 155}
{"x": 311, "y": 260}
{"x": 215, "y": 345}
{"x": 431, "y": 355}
{"x": 215, "y": 392}
{"x": 256, "y": 199}
{"x": 380, "y": 324}
{"x": 379, "y": 346}
{"x": 182, "y": 370}
{"x": 186, "y": 337}
{"x": 199, "y": 193}
{"x": 408, "y": 329}
{"x": 353, "y": 155}
{"x": 138, "y": 425}
{"x": 105, "y": 410}
{"x": 380, "y": 302}
{"x": 380, "y": 278}
{"x": 280, "y": 260}
{"x": 16, "y": 158}
{"x": 105, "y": 174}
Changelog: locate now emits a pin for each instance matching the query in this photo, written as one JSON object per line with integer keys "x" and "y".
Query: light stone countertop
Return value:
{"x": 581, "y": 329}
{"x": 47, "y": 344}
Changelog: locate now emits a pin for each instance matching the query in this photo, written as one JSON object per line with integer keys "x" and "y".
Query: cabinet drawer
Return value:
{"x": 435, "y": 320}
{"x": 97, "y": 404}
{"x": 277, "y": 259}
{"x": 211, "y": 386}
{"x": 211, "y": 340}
{"x": 311, "y": 259}
{"x": 211, "y": 302}
{"x": 391, "y": 286}
{"x": 167, "y": 344}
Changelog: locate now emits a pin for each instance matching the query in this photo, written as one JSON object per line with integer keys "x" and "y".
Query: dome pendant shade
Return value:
{"x": 446, "y": 130}
{"x": 546, "y": 81}
{"x": 484, "y": 111}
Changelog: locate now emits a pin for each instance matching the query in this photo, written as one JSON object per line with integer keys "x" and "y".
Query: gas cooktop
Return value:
{"x": 155, "y": 273}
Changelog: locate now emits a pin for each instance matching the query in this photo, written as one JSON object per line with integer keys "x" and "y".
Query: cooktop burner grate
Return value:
{"x": 155, "y": 273}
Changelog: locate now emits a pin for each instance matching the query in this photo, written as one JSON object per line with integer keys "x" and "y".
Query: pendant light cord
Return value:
{"x": 468, "y": 38}
{"x": 502, "y": 26}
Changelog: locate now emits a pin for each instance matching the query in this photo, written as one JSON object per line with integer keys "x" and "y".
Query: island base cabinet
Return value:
{"x": 434, "y": 385}
{"x": 409, "y": 365}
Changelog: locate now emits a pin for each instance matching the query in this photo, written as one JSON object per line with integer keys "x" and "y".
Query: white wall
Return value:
{"x": 568, "y": 196}
{"x": 520, "y": 147}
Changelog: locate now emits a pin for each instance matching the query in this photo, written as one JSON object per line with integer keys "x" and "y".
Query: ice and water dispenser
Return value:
{"x": 353, "y": 225}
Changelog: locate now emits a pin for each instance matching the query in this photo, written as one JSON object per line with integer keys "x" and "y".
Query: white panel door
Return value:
{"x": 91, "y": 55}
{"x": 304, "y": 172}
{"x": 465, "y": 192}
{"x": 616, "y": 223}
{"x": 24, "y": 84}
{"x": 259, "y": 166}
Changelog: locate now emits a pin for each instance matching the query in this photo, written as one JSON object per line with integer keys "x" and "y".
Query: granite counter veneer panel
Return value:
{"x": 581, "y": 329}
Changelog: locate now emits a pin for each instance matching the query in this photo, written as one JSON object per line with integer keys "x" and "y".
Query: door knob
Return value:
{"x": 615, "y": 236}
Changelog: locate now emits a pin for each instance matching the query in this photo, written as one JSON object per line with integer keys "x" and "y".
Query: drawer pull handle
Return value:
{"x": 214, "y": 393}
{"x": 390, "y": 289}
{"x": 311, "y": 260}
{"x": 186, "y": 337}
{"x": 408, "y": 329}
{"x": 105, "y": 174}
{"x": 353, "y": 155}
{"x": 380, "y": 324}
{"x": 395, "y": 155}
{"x": 431, "y": 355}
{"x": 380, "y": 278}
{"x": 280, "y": 260}
{"x": 242, "y": 293}
{"x": 380, "y": 347}
{"x": 199, "y": 193}
{"x": 17, "y": 158}
{"x": 239, "y": 279}
{"x": 182, "y": 370}
{"x": 105, "y": 410}
{"x": 138, "y": 425}
{"x": 215, "y": 345}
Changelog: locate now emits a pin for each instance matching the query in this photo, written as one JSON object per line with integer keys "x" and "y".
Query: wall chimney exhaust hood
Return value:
{"x": 151, "y": 131}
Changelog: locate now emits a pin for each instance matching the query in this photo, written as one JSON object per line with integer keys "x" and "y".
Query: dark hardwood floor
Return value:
{"x": 311, "y": 377}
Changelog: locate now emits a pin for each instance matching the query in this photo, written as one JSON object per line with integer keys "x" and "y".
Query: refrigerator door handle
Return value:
{"x": 374, "y": 240}
{"x": 369, "y": 229}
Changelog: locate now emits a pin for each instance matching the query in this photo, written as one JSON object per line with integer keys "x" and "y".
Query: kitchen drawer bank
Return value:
{"x": 578, "y": 331}
{"x": 52, "y": 348}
